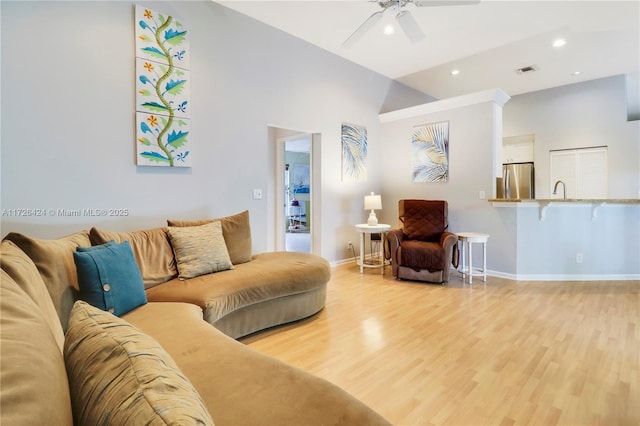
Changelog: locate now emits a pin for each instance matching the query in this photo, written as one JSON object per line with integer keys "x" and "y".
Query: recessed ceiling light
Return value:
{"x": 388, "y": 29}
{"x": 455, "y": 72}
{"x": 576, "y": 73}
{"x": 559, "y": 42}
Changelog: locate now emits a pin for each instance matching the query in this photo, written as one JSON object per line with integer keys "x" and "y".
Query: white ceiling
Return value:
{"x": 486, "y": 42}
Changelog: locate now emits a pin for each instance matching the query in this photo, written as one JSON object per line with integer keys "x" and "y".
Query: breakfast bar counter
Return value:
{"x": 567, "y": 239}
{"x": 544, "y": 203}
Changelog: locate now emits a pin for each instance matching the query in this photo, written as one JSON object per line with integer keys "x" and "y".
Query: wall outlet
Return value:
{"x": 578, "y": 257}
{"x": 349, "y": 245}
{"x": 481, "y": 195}
{"x": 257, "y": 194}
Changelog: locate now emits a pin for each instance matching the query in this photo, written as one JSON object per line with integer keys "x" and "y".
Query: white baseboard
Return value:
{"x": 564, "y": 277}
{"x": 352, "y": 260}
{"x": 574, "y": 277}
{"x": 533, "y": 277}
{"x": 342, "y": 262}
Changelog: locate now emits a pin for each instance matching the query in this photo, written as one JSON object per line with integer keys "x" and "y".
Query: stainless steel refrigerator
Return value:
{"x": 517, "y": 181}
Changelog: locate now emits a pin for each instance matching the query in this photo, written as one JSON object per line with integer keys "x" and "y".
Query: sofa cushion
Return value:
{"x": 119, "y": 375}
{"x": 151, "y": 249}
{"x": 54, "y": 260}
{"x": 422, "y": 255}
{"x": 268, "y": 276}
{"x": 109, "y": 277}
{"x": 34, "y": 387}
{"x": 23, "y": 271}
{"x": 241, "y": 386}
{"x": 237, "y": 234}
{"x": 199, "y": 250}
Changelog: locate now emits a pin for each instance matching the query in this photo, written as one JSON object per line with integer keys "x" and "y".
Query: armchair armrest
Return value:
{"x": 394, "y": 238}
{"x": 449, "y": 242}
{"x": 392, "y": 249}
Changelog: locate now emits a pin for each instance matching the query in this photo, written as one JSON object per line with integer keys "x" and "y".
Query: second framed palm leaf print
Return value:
{"x": 430, "y": 143}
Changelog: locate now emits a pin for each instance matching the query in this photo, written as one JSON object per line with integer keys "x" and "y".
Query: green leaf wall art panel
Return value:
{"x": 162, "y": 143}
{"x": 162, "y": 82}
{"x": 159, "y": 91}
{"x": 161, "y": 38}
{"x": 354, "y": 153}
{"x": 430, "y": 162}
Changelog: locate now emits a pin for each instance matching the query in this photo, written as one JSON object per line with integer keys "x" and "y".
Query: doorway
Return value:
{"x": 296, "y": 216}
{"x": 297, "y": 193}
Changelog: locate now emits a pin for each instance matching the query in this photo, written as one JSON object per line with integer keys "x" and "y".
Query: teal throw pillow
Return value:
{"x": 109, "y": 277}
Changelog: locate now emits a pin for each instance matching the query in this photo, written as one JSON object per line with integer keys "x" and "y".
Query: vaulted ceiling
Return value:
{"x": 485, "y": 42}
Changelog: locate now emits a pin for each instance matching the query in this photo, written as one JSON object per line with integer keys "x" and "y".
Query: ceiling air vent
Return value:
{"x": 530, "y": 68}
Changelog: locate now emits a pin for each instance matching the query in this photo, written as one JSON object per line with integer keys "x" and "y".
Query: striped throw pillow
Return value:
{"x": 199, "y": 250}
{"x": 120, "y": 376}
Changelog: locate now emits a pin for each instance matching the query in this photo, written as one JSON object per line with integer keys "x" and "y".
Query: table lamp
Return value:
{"x": 372, "y": 202}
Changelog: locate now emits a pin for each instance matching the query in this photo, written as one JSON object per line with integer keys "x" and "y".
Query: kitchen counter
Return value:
{"x": 568, "y": 200}
{"x": 544, "y": 203}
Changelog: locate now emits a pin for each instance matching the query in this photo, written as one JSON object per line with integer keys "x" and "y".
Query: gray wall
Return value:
{"x": 586, "y": 114}
{"x": 471, "y": 139}
{"x": 522, "y": 246}
{"x": 67, "y": 135}
{"x": 68, "y": 118}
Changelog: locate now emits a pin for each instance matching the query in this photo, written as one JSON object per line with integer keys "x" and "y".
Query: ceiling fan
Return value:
{"x": 406, "y": 21}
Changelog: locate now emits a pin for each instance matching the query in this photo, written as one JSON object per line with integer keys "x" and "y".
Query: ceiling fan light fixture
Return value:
{"x": 405, "y": 20}
{"x": 559, "y": 42}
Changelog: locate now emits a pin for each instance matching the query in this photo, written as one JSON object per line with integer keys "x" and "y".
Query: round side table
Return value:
{"x": 381, "y": 229}
{"x": 467, "y": 239}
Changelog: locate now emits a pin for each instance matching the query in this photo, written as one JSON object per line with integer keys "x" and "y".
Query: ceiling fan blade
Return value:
{"x": 409, "y": 26}
{"x": 362, "y": 29}
{"x": 428, "y": 3}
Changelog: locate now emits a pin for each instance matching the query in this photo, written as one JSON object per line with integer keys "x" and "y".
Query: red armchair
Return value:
{"x": 422, "y": 249}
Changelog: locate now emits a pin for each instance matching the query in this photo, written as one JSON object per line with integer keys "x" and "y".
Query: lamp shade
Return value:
{"x": 372, "y": 202}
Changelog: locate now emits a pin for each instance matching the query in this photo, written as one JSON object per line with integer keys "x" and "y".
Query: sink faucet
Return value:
{"x": 564, "y": 189}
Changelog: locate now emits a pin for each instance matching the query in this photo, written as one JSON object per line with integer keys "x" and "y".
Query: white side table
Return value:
{"x": 381, "y": 229}
{"x": 467, "y": 239}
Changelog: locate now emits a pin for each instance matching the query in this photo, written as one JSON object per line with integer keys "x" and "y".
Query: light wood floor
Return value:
{"x": 500, "y": 353}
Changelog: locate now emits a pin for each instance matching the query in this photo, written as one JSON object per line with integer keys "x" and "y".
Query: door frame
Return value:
{"x": 280, "y": 227}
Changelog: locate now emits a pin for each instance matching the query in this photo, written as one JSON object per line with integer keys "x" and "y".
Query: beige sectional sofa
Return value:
{"x": 172, "y": 359}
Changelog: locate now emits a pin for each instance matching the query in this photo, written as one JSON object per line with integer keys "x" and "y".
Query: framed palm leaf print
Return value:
{"x": 354, "y": 153}
{"x": 430, "y": 143}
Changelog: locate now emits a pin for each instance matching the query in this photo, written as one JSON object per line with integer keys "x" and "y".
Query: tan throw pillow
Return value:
{"x": 120, "y": 376}
{"x": 34, "y": 387}
{"x": 237, "y": 234}
{"x": 151, "y": 249}
{"x": 199, "y": 250}
{"x": 54, "y": 260}
{"x": 24, "y": 272}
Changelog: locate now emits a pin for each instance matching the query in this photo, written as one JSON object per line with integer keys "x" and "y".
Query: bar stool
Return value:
{"x": 467, "y": 239}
